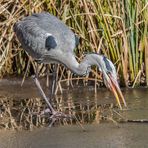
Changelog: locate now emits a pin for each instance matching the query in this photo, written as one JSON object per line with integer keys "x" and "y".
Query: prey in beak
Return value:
{"x": 110, "y": 80}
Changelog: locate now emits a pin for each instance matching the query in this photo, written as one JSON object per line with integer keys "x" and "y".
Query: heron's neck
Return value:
{"x": 77, "y": 68}
{"x": 82, "y": 67}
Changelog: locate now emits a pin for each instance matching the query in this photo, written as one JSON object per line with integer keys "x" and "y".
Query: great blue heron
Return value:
{"x": 47, "y": 39}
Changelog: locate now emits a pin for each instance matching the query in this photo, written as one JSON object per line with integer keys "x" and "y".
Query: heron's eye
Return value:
{"x": 108, "y": 72}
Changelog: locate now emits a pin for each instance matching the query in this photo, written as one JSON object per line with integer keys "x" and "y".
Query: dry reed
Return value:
{"x": 115, "y": 29}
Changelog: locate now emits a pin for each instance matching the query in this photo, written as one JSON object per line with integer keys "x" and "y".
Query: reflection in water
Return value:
{"x": 25, "y": 113}
{"x": 20, "y": 107}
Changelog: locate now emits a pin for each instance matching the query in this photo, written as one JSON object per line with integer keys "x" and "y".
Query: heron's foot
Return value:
{"x": 60, "y": 115}
{"x": 55, "y": 115}
{"x": 45, "y": 111}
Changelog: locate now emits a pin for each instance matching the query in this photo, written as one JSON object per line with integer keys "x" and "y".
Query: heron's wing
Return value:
{"x": 40, "y": 33}
{"x": 65, "y": 38}
{"x": 35, "y": 40}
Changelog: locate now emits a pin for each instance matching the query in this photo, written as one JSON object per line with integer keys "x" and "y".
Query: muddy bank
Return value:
{"x": 97, "y": 135}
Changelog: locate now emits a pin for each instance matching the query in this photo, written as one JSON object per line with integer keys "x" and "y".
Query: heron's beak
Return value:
{"x": 114, "y": 87}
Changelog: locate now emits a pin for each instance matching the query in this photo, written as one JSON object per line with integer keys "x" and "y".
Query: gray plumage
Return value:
{"x": 47, "y": 39}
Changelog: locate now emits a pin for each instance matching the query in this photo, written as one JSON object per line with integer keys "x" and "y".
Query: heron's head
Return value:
{"x": 108, "y": 71}
{"x": 110, "y": 78}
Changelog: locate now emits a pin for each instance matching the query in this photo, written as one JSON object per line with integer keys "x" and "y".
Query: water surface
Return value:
{"x": 103, "y": 135}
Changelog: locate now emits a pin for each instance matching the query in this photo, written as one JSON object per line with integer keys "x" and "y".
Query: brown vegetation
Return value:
{"x": 117, "y": 29}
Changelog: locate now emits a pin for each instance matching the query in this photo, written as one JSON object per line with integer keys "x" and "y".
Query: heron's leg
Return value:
{"x": 35, "y": 78}
{"x": 47, "y": 71}
{"x": 37, "y": 71}
{"x": 55, "y": 79}
{"x": 54, "y": 114}
{"x": 52, "y": 111}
